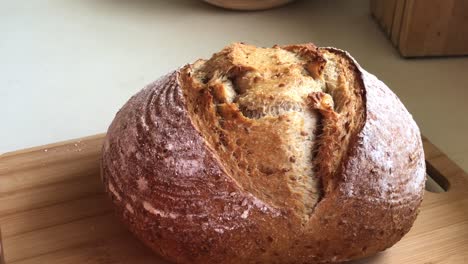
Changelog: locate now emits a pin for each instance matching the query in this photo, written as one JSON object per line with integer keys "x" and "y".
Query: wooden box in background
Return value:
{"x": 424, "y": 27}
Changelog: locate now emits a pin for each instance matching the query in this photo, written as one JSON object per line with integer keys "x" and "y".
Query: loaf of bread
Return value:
{"x": 289, "y": 154}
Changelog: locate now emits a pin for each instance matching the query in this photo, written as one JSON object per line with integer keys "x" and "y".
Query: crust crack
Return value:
{"x": 280, "y": 119}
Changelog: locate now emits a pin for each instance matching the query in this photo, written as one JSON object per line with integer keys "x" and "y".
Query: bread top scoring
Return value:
{"x": 280, "y": 119}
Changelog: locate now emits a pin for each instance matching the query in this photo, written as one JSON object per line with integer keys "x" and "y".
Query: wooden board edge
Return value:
{"x": 52, "y": 145}
{"x": 442, "y": 169}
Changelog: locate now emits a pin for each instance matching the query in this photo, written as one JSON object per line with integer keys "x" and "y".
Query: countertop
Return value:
{"x": 67, "y": 66}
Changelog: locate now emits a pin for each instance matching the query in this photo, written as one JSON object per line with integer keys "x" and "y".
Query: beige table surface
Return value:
{"x": 66, "y": 66}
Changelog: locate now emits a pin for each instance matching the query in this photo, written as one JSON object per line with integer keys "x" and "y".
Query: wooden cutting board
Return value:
{"x": 53, "y": 210}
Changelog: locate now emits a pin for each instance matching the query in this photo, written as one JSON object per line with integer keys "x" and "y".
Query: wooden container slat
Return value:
{"x": 388, "y": 15}
{"x": 396, "y": 24}
{"x": 424, "y": 27}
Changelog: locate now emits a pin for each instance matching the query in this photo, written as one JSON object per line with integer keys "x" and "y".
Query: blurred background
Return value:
{"x": 67, "y": 66}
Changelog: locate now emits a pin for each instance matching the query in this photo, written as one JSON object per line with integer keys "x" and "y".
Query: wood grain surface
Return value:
{"x": 424, "y": 27}
{"x": 53, "y": 210}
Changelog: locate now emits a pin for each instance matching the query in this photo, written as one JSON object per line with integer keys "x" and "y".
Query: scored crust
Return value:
{"x": 283, "y": 155}
{"x": 258, "y": 110}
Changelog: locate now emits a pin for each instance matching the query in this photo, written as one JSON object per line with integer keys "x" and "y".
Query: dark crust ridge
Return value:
{"x": 171, "y": 191}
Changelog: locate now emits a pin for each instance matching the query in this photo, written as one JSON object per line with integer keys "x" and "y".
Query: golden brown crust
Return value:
{"x": 264, "y": 130}
{"x": 172, "y": 184}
